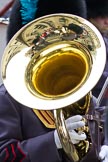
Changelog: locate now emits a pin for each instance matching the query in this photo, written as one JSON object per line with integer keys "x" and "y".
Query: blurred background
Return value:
{"x": 5, "y": 8}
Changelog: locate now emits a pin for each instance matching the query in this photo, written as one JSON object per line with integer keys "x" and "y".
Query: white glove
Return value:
{"x": 104, "y": 153}
{"x": 72, "y": 123}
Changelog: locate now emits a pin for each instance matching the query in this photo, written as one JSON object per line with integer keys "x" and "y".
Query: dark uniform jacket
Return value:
{"x": 24, "y": 137}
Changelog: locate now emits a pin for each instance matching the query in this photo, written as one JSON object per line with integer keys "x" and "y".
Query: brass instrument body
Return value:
{"x": 78, "y": 151}
{"x": 55, "y": 61}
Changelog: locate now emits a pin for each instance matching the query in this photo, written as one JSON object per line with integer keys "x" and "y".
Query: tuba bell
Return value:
{"x": 53, "y": 63}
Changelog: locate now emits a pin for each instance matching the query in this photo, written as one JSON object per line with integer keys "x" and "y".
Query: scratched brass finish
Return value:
{"x": 53, "y": 63}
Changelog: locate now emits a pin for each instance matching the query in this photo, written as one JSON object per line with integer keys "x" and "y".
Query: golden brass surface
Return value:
{"x": 78, "y": 151}
{"x": 55, "y": 60}
{"x": 61, "y": 72}
{"x": 53, "y": 63}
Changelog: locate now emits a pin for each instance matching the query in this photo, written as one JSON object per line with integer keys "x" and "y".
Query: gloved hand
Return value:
{"x": 104, "y": 153}
{"x": 72, "y": 123}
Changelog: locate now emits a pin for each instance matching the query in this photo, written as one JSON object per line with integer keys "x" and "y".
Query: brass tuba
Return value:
{"x": 53, "y": 63}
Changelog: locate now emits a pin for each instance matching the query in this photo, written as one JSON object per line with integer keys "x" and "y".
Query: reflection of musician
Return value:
{"x": 25, "y": 11}
{"x": 27, "y": 135}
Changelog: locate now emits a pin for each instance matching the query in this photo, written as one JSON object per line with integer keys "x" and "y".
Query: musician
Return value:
{"x": 97, "y": 13}
{"x": 28, "y": 135}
